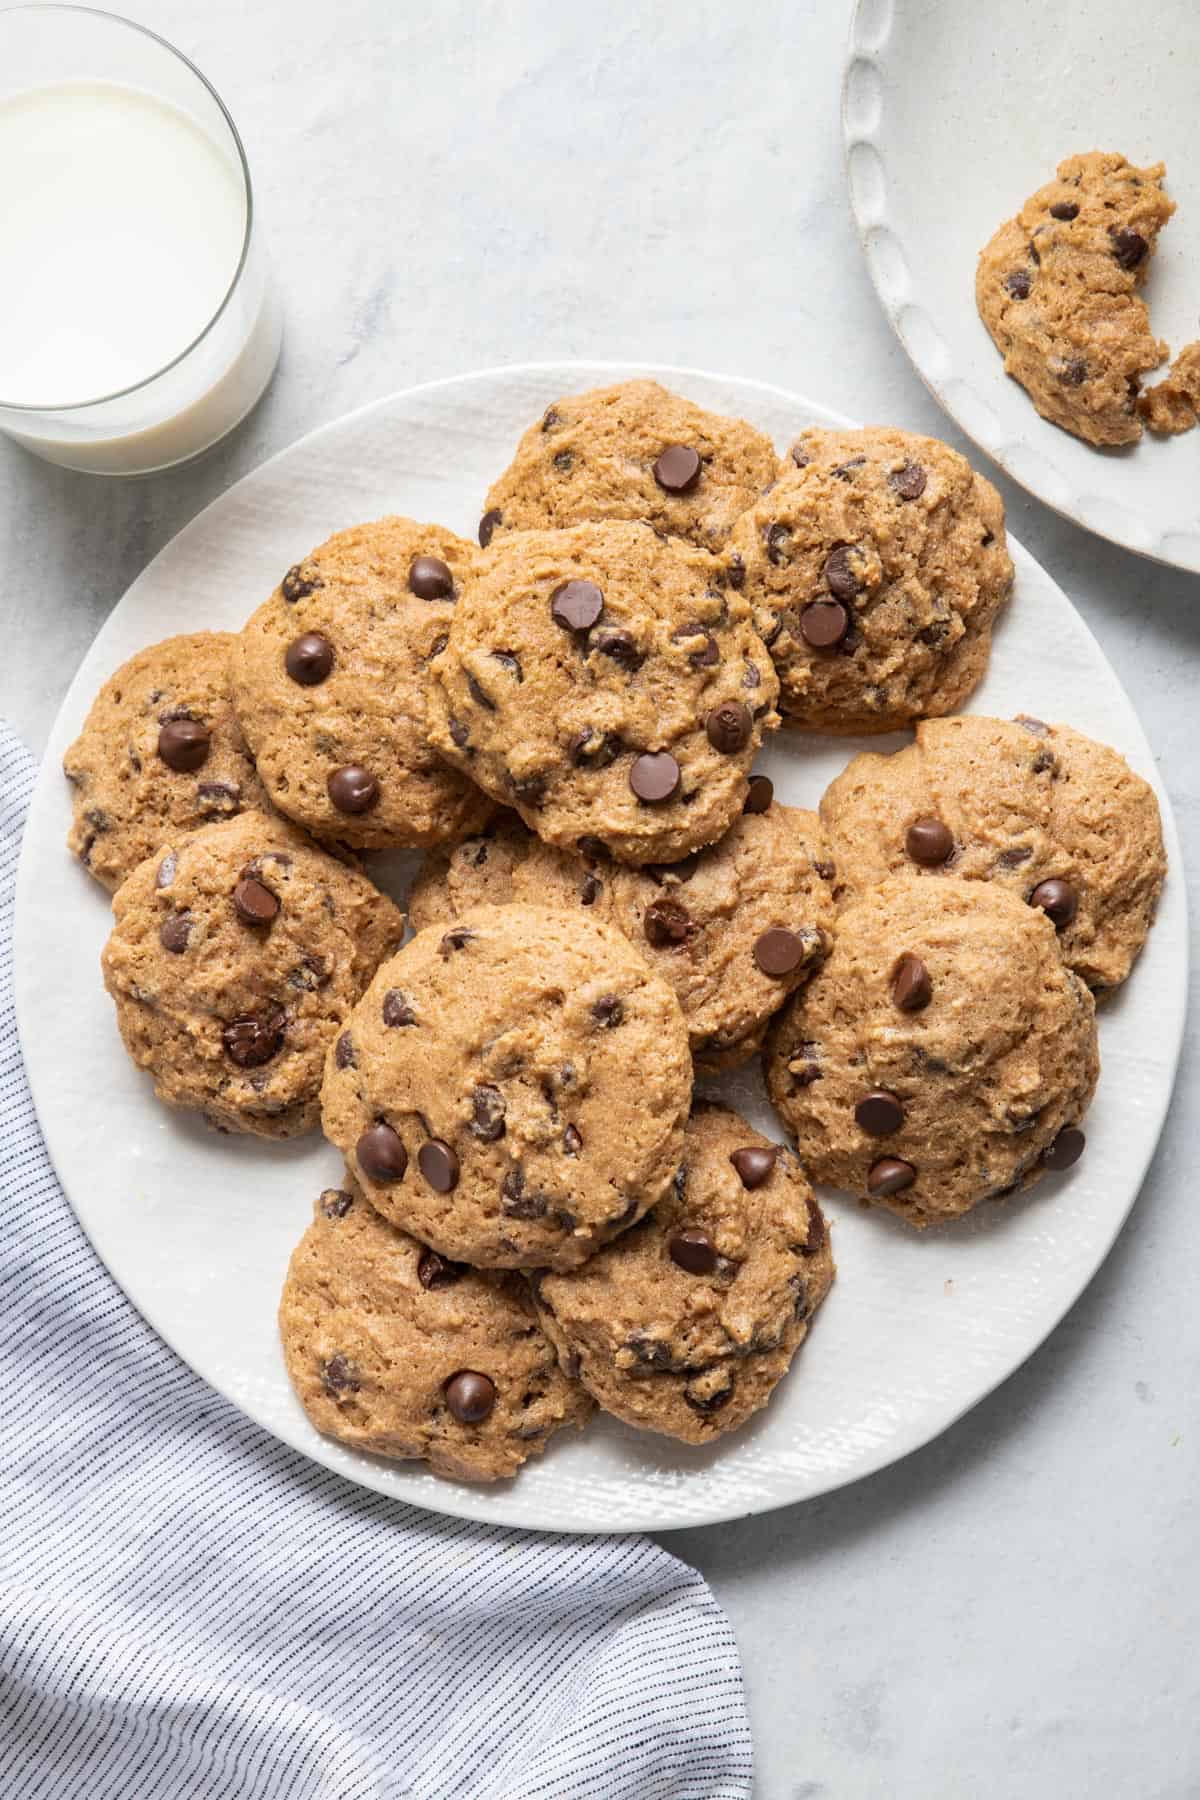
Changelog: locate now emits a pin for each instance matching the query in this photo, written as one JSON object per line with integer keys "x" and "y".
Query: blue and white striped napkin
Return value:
{"x": 188, "y": 1609}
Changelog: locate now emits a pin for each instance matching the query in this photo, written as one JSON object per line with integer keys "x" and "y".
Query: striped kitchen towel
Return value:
{"x": 189, "y": 1609}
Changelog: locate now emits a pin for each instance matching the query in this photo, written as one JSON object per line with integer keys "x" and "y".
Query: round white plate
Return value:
{"x": 198, "y": 1228}
{"x": 953, "y": 114}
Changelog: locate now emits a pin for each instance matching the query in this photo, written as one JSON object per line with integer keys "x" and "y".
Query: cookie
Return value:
{"x": 161, "y": 751}
{"x": 1172, "y": 405}
{"x": 603, "y": 683}
{"x": 330, "y": 677}
{"x": 1058, "y": 819}
{"x": 633, "y": 451}
{"x": 874, "y": 568}
{"x": 945, "y": 1054}
{"x": 236, "y": 954}
{"x": 1057, "y": 288}
{"x": 733, "y": 929}
{"x": 686, "y": 1323}
{"x": 393, "y": 1350}
{"x": 512, "y": 1091}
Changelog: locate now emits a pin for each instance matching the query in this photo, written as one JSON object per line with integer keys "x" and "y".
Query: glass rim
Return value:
{"x": 134, "y": 387}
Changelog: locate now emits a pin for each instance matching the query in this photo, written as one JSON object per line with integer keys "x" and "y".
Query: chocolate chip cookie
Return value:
{"x": 512, "y": 1090}
{"x": 605, "y": 684}
{"x": 1058, "y": 819}
{"x": 633, "y": 451}
{"x": 875, "y": 568}
{"x": 330, "y": 678}
{"x": 160, "y": 751}
{"x": 1057, "y": 288}
{"x": 393, "y": 1350}
{"x": 236, "y": 953}
{"x": 733, "y": 929}
{"x": 1172, "y": 405}
{"x": 686, "y": 1323}
{"x": 944, "y": 1055}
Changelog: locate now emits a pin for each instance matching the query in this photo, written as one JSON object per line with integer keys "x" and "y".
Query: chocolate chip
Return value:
{"x": 590, "y": 890}
{"x": 728, "y": 727}
{"x": 301, "y": 579}
{"x": 458, "y": 939}
{"x": 310, "y": 975}
{"x": 470, "y": 1396}
{"x": 576, "y": 605}
{"x": 845, "y": 471}
{"x": 708, "y": 655}
{"x": 344, "y": 1056}
{"x": 352, "y": 789}
{"x": 762, "y": 792}
{"x": 517, "y": 1203}
{"x": 339, "y": 1375}
{"x": 439, "y": 1165}
{"x": 890, "y": 1176}
{"x": 336, "y": 1203}
{"x": 1018, "y": 283}
{"x": 693, "y": 1251}
{"x": 879, "y": 1113}
{"x": 511, "y": 663}
{"x": 909, "y": 481}
{"x": 840, "y": 578}
{"x": 1038, "y": 727}
{"x": 184, "y": 744}
{"x": 1065, "y": 210}
{"x": 654, "y": 777}
{"x": 165, "y": 873}
{"x": 667, "y": 924}
{"x": 429, "y": 578}
{"x": 620, "y": 646}
{"x": 224, "y": 797}
{"x": 381, "y": 1155}
{"x": 1129, "y": 247}
{"x": 826, "y": 870}
{"x": 824, "y": 624}
{"x": 1014, "y": 857}
{"x": 778, "y": 952}
{"x": 751, "y": 677}
{"x": 550, "y": 418}
{"x": 572, "y": 1141}
{"x": 709, "y": 1403}
{"x": 678, "y": 469}
{"x": 608, "y": 1011}
{"x": 488, "y": 1108}
{"x": 564, "y": 462}
{"x": 479, "y": 694}
{"x": 309, "y": 659}
{"x": 800, "y": 456}
{"x": 527, "y": 790}
{"x": 777, "y": 540}
{"x": 1066, "y": 1149}
{"x": 928, "y": 842}
{"x": 754, "y": 1164}
{"x": 1073, "y": 372}
{"x": 912, "y": 989}
{"x": 253, "y": 902}
{"x": 816, "y": 1229}
{"x": 174, "y": 932}
{"x": 397, "y": 1009}
{"x": 487, "y": 526}
{"x": 254, "y": 1039}
{"x": 435, "y": 1271}
{"x": 459, "y": 734}
{"x": 599, "y": 749}
{"x": 1058, "y": 900}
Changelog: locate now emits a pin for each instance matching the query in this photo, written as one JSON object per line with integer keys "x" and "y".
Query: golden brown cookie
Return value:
{"x": 1058, "y": 819}
{"x": 330, "y": 681}
{"x": 943, "y": 1055}
{"x": 1172, "y": 405}
{"x": 160, "y": 751}
{"x": 633, "y": 451}
{"x": 1057, "y": 288}
{"x": 393, "y": 1350}
{"x": 236, "y": 954}
{"x": 604, "y": 683}
{"x": 875, "y": 568}
{"x": 686, "y": 1324}
{"x": 512, "y": 1090}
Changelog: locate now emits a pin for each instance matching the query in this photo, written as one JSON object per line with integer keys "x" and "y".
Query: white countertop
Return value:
{"x": 1014, "y": 1611}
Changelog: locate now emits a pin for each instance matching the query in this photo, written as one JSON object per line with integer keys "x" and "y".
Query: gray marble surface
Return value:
{"x": 1013, "y": 1611}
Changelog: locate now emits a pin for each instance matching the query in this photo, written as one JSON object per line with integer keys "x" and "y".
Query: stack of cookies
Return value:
{"x": 536, "y": 1217}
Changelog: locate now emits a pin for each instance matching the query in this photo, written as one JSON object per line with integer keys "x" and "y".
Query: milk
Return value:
{"x": 122, "y": 226}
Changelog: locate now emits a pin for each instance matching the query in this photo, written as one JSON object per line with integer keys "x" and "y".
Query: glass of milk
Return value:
{"x": 138, "y": 324}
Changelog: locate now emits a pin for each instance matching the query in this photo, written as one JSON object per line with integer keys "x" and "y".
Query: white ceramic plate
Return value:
{"x": 953, "y": 114}
{"x": 198, "y": 1228}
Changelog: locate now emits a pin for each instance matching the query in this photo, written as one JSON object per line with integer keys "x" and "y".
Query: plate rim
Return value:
{"x": 462, "y": 1504}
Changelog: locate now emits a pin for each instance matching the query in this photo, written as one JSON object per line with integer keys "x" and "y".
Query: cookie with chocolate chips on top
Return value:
{"x": 607, "y": 685}
{"x": 943, "y": 1056}
{"x": 687, "y": 1323}
{"x": 633, "y": 451}
{"x": 161, "y": 751}
{"x": 236, "y": 953}
{"x": 734, "y": 929}
{"x": 330, "y": 678}
{"x": 1056, "y": 818}
{"x": 875, "y": 569}
{"x": 393, "y": 1350}
{"x": 512, "y": 1089}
